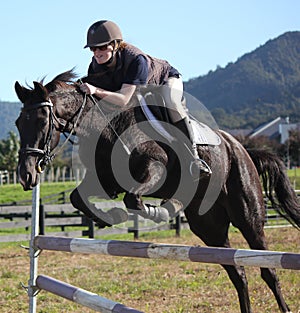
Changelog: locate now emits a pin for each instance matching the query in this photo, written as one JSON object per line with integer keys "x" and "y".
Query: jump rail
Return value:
{"x": 226, "y": 256}
{"x": 81, "y": 296}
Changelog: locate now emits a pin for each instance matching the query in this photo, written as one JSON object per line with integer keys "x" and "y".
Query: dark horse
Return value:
{"x": 233, "y": 194}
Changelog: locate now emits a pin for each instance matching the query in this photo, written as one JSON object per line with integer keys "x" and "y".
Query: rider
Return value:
{"x": 124, "y": 68}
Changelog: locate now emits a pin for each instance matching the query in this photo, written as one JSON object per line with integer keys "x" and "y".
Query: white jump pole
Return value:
{"x": 240, "y": 257}
{"x": 33, "y": 253}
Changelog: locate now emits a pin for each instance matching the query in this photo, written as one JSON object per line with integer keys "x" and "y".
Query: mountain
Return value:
{"x": 9, "y": 113}
{"x": 259, "y": 86}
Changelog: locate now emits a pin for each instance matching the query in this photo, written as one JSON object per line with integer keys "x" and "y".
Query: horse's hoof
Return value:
{"x": 153, "y": 213}
{"x": 106, "y": 218}
{"x": 102, "y": 224}
{"x": 173, "y": 206}
{"x": 118, "y": 215}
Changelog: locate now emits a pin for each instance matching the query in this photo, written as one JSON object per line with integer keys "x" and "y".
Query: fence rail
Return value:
{"x": 72, "y": 223}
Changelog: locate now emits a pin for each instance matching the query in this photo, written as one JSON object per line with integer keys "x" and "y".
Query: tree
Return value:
{"x": 294, "y": 146}
{"x": 9, "y": 149}
{"x": 263, "y": 143}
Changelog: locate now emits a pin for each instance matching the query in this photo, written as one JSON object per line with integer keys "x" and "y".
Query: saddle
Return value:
{"x": 156, "y": 113}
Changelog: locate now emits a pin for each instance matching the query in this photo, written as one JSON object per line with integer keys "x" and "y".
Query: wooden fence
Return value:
{"x": 64, "y": 220}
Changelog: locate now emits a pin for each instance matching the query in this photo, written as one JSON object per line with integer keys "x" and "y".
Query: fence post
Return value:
{"x": 178, "y": 225}
{"x": 89, "y": 223}
{"x": 63, "y": 174}
{"x": 135, "y": 228}
{"x": 62, "y": 198}
{"x": 57, "y": 174}
{"x": 42, "y": 216}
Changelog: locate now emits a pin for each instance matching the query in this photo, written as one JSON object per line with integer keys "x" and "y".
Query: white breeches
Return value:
{"x": 172, "y": 92}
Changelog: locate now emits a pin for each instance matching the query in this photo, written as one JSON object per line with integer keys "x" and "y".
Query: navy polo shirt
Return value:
{"x": 137, "y": 72}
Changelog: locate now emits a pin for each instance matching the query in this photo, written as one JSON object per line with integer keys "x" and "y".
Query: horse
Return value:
{"x": 115, "y": 146}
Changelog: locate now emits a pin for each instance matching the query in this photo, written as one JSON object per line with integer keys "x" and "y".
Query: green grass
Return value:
{"x": 294, "y": 176}
{"x": 15, "y": 193}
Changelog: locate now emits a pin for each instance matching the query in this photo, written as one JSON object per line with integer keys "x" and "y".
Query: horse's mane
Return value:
{"x": 61, "y": 80}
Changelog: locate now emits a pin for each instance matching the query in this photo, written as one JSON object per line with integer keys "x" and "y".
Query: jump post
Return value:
{"x": 257, "y": 258}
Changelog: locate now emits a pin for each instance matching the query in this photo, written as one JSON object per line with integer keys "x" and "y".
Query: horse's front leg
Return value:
{"x": 152, "y": 176}
{"x": 80, "y": 200}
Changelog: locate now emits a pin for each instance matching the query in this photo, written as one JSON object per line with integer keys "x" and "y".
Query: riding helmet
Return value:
{"x": 103, "y": 32}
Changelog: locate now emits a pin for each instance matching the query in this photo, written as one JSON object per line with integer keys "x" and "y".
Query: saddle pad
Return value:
{"x": 203, "y": 134}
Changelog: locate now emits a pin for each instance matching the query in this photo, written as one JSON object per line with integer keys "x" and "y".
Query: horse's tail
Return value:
{"x": 275, "y": 181}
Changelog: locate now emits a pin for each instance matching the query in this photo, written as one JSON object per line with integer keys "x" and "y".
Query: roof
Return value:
{"x": 279, "y": 127}
{"x": 269, "y": 129}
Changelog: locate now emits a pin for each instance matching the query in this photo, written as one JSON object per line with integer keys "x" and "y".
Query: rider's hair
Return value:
{"x": 122, "y": 45}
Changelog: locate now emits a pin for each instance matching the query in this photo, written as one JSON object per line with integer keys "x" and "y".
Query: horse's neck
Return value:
{"x": 92, "y": 119}
{"x": 110, "y": 124}
{"x": 71, "y": 106}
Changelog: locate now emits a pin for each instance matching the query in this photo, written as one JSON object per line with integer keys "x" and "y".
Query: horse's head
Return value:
{"x": 37, "y": 130}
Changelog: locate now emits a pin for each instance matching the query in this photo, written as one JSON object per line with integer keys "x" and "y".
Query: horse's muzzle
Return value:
{"x": 28, "y": 179}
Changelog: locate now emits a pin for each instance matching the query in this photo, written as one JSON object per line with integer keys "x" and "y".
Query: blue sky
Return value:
{"x": 41, "y": 38}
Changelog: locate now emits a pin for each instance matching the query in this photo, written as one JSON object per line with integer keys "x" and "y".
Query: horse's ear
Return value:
{"x": 41, "y": 90}
{"x": 22, "y": 92}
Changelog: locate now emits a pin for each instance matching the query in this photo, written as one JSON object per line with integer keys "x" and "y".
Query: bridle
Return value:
{"x": 45, "y": 154}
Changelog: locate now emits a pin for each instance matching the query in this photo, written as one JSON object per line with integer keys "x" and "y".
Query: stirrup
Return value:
{"x": 199, "y": 165}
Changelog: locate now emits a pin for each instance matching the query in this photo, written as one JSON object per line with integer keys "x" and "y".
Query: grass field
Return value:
{"x": 14, "y": 193}
{"x": 152, "y": 286}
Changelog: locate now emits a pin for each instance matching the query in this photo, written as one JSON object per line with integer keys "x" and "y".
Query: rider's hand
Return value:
{"x": 88, "y": 89}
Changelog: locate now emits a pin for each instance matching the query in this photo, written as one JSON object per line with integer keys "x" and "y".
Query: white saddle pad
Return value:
{"x": 204, "y": 135}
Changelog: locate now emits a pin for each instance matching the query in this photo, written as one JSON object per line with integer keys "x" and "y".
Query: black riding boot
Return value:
{"x": 197, "y": 164}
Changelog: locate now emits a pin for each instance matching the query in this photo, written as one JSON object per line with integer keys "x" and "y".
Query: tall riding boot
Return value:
{"x": 197, "y": 164}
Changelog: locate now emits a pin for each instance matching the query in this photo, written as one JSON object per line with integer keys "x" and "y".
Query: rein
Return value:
{"x": 109, "y": 123}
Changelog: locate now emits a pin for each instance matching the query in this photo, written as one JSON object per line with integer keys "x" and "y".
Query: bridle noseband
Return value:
{"x": 45, "y": 156}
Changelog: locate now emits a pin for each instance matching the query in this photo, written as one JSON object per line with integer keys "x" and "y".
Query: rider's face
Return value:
{"x": 102, "y": 56}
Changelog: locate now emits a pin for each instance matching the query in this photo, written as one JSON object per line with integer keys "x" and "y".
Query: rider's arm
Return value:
{"x": 136, "y": 75}
{"x": 120, "y": 98}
